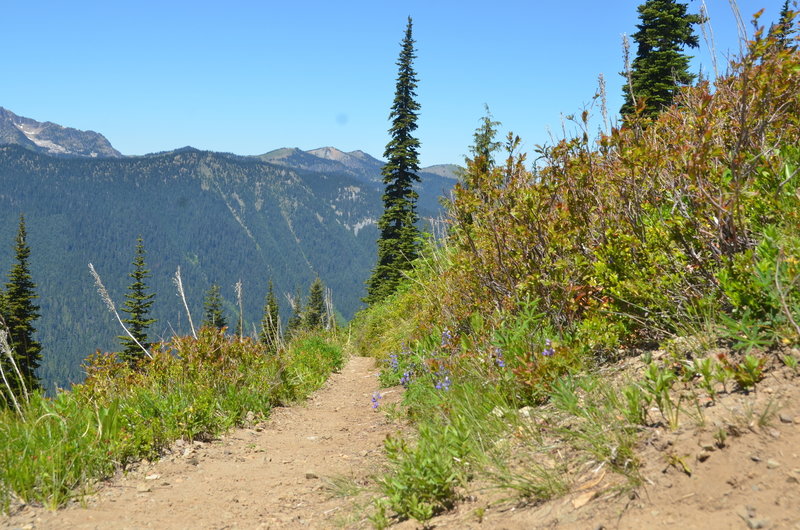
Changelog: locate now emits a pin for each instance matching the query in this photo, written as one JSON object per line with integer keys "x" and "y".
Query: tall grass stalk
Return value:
{"x": 8, "y": 352}
{"x": 179, "y": 284}
{"x": 101, "y": 289}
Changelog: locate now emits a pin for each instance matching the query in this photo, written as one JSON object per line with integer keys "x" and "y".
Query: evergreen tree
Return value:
{"x": 314, "y": 315}
{"x": 137, "y": 305}
{"x": 784, "y": 29}
{"x": 660, "y": 67}
{"x": 397, "y": 244}
{"x": 270, "y": 323}
{"x": 485, "y": 144}
{"x": 19, "y": 313}
{"x": 296, "y": 320}
{"x": 213, "y": 315}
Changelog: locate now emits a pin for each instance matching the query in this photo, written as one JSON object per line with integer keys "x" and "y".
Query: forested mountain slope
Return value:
{"x": 220, "y": 217}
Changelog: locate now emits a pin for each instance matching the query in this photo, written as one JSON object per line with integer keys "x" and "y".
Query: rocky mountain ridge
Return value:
{"x": 53, "y": 139}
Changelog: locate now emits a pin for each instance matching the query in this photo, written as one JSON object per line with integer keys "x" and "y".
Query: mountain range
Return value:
{"x": 286, "y": 216}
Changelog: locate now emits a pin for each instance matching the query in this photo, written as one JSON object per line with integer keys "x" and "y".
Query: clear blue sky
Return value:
{"x": 251, "y": 76}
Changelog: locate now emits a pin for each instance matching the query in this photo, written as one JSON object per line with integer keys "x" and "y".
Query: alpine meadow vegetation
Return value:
{"x": 677, "y": 233}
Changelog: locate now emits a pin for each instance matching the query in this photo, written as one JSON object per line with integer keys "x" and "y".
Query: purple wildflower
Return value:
{"x": 406, "y": 379}
{"x": 394, "y": 361}
{"x": 446, "y": 337}
{"x": 549, "y": 350}
{"x": 498, "y": 358}
{"x": 376, "y": 396}
{"x": 444, "y": 384}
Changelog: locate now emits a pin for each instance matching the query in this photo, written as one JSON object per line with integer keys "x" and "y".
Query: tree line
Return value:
{"x": 21, "y": 353}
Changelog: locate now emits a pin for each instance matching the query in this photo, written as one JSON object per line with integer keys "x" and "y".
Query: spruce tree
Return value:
{"x": 137, "y": 305}
{"x": 314, "y": 315}
{"x": 397, "y": 244}
{"x": 19, "y": 312}
{"x": 660, "y": 66}
{"x": 295, "y": 322}
{"x": 270, "y": 323}
{"x": 213, "y": 314}
{"x": 784, "y": 29}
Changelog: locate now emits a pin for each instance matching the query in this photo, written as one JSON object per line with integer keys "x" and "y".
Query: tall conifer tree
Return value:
{"x": 270, "y": 323}
{"x": 660, "y": 66}
{"x": 785, "y": 28}
{"x": 137, "y": 305}
{"x": 19, "y": 313}
{"x": 213, "y": 315}
{"x": 397, "y": 245}
{"x": 296, "y": 319}
{"x": 314, "y": 316}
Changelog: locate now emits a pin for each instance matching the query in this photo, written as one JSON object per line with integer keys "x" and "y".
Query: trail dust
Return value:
{"x": 291, "y": 471}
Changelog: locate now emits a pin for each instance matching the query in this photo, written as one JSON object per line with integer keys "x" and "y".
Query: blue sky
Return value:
{"x": 251, "y": 76}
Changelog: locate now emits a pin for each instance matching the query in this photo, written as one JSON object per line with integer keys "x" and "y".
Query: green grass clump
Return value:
{"x": 192, "y": 389}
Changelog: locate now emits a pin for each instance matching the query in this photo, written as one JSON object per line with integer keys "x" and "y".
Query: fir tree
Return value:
{"x": 659, "y": 67}
{"x": 19, "y": 312}
{"x": 296, "y": 319}
{"x": 213, "y": 314}
{"x": 784, "y": 29}
{"x": 485, "y": 145}
{"x": 270, "y": 323}
{"x": 137, "y": 305}
{"x": 397, "y": 244}
{"x": 314, "y": 315}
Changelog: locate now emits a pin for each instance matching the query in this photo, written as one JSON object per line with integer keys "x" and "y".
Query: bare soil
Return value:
{"x": 288, "y": 472}
{"x": 690, "y": 478}
{"x": 312, "y": 466}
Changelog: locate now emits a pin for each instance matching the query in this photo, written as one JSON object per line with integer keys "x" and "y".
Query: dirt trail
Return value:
{"x": 278, "y": 474}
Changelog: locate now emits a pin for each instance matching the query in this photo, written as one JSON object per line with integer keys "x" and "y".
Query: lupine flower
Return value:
{"x": 376, "y": 396}
{"x": 394, "y": 361}
{"x": 444, "y": 384}
{"x": 446, "y": 337}
{"x": 498, "y": 358}
{"x": 548, "y": 351}
{"x": 406, "y": 379}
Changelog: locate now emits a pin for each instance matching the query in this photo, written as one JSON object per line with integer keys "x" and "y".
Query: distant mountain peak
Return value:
{"x": 53, "y": 139}
{"x": 329, "y": 153}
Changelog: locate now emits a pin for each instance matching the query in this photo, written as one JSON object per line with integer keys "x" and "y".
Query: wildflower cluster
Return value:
{"x": 376, "y": 397}
{"x": 442, "y": 378}
{"x": 548, "y": 348}
{"x": 497, "y": 357}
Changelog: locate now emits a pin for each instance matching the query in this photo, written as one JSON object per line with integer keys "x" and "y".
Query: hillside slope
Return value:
{"x": 219, "y": 217}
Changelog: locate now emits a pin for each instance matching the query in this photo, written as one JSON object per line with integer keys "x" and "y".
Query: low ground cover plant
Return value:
{"x": 191, "y": 389}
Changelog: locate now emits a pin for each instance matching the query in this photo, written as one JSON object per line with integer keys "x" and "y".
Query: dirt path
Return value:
{"x": 283, "y": 473}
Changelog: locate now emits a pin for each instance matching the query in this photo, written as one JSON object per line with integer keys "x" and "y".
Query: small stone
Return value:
{"x": 525, "y": 412}
{"x": 143, "y": 488}
{"x": 311, "y": 475}
{"x": 755, "y": 458}
{"x": 703, "y": 456}
{"x": 785, "y": 418}
{"x": 757, "y": 523}
{"x": 154, "y": 476}
{"x": 773, "y": 464}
